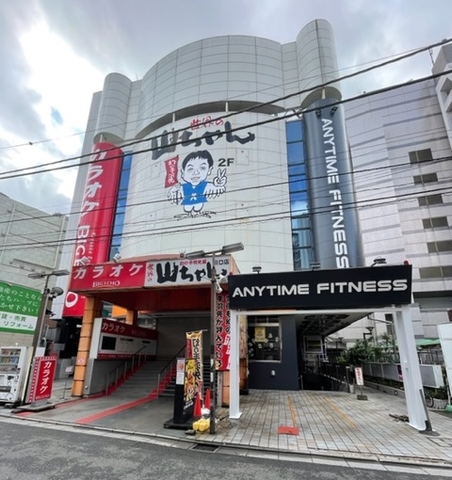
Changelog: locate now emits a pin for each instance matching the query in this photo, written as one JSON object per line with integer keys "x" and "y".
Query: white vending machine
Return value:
{"x": 14, "y": 365}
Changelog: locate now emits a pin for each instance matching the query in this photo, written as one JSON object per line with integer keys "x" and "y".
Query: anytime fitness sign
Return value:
{"x": 317, "y": 289}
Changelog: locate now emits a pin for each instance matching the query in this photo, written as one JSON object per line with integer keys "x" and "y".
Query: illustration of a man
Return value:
{"x": 194, "y": 190}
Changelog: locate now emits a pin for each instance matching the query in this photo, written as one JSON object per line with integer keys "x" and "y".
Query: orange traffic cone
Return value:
{"x": 207, "y": 399}
{"x": 197, "y": 410}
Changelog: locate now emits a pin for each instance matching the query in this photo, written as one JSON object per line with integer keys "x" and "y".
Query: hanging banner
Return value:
{"x": 222, "y": 332}
{"x": 190, "y": 387}
{"x": 194, "y": 351}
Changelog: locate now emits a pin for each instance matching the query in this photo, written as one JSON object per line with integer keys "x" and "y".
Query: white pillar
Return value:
{"x": 234, "y": 379}
{"x": 412, "y": 381}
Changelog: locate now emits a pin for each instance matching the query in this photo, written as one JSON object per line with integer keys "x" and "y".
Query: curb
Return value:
{"x": 317, "y": 454}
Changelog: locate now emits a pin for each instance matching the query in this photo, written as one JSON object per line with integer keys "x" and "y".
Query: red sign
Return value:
{"x": 222, "y": 332}
{"x": 171, "y": 171}
{"x": 42, "y": 378}
{"x": 93, "y": 237}
{"x": 108, "y": 276}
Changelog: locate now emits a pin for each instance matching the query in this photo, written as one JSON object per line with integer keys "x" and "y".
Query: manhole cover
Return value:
{"x": 205, "y": 448}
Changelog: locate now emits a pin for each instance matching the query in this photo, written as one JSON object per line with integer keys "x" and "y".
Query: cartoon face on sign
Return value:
{"x": 195, "y": 190}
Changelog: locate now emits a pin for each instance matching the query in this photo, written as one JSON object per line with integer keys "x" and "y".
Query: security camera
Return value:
{"x": 56, "y": 292}
{"x": 117, "y": 257}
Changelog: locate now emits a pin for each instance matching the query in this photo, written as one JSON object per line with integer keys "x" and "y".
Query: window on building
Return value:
{"x": 302, "y": 244}
{"x": 438, "y": 247}
{"x": 435, "y": 222}
{"x": 264, "y": 339}
{"x": 444, "y": 271}
{"x": 430, "y": 200}
{"x": 419, "y": 156}
{"x": 426, "y": 178}
{"x": 121, "y": 202}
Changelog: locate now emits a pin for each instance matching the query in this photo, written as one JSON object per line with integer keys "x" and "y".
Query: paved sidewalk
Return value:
{"x": 325, "y": 427}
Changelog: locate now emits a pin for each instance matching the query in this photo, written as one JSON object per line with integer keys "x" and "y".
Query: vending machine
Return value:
{"x": 14, "y": 363}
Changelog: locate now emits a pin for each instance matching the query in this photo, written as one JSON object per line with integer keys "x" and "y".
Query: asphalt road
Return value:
{"x": 41, "y": 453}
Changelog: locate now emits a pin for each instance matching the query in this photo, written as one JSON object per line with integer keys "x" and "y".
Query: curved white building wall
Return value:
{"x": 254, "y": 208}
{"x": 213, "y": 78}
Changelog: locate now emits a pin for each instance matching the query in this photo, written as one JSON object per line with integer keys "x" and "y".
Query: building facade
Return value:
{"x": 401, "y": 146}
{"x": 242, "y": 139}
{"x": 30, "y": 242}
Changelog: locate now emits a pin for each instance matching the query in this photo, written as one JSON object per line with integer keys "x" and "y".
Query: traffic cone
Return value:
{"x": 207, "y": 399}
{"x": 197, "y": 410}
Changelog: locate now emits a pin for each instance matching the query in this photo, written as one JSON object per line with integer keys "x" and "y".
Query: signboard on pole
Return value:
{"x": 359, "y": 376}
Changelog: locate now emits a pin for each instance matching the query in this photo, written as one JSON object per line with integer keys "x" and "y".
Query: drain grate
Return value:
{"x": 205, "y": 448}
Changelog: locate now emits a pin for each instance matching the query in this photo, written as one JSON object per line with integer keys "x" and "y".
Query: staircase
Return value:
{"x": 142, "y": 382}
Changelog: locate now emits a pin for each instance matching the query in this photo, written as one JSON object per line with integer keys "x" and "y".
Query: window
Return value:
{"x": 426, "y": 178}
{"x": 442, "y": 246}
{"x": 264, "y": 339}
{"x": 435, "y": 222}
{"x": 298, "y": 191}
{"x": 430, "y": 200}
{"x": 436, "y": 272}
{"x": 419, "y": 156}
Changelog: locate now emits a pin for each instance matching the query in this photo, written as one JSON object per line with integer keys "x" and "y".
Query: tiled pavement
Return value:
{"x": 324, "y": 427}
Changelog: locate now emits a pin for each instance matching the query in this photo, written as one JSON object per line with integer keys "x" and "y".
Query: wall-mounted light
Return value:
{"x": 257, "y": 269}
{"x": 314, "y": 265}
{"x": 333, "y": 110}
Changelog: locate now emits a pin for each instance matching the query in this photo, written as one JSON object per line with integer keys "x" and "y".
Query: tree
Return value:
{"x": 362, "y": 352}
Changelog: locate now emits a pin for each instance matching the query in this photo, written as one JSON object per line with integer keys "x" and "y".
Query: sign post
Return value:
{"x": 360, "y": 382}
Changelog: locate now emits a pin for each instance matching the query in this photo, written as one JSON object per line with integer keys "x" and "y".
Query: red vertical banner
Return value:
{"x": 42, "y": 378}
{"x": 93, "y": 237}
{"x": 171, "y": 171}
{"x": 194, "y": 351}
{"x": 222, "y": 332}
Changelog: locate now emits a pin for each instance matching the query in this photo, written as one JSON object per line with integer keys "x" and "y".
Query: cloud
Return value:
{"x": 55, "y": 55}
{"x": 17, "y": 98}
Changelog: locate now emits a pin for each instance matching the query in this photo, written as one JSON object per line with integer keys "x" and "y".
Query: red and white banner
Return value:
{"x": 171, "y": 168}
{"x": 108, "y": 276}
{"x": 164, "y": 273}
{"x": 95, "y": 225}
{"x": 112, "y": 340}
{"x": 222, "y": 332}
{"x": 42, "y": 378}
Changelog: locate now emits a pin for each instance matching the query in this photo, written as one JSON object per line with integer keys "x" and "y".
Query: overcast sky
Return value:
{"x": 55, "y": 53}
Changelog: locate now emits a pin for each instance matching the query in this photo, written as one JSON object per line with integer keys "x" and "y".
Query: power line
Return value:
{"x": 248, "y": 109}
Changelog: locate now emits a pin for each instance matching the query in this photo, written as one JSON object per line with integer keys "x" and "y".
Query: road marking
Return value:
{"x": 340, "y": 413}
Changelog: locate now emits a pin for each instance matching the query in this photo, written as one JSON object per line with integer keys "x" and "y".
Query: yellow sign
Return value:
{"x": 259, "y": 334}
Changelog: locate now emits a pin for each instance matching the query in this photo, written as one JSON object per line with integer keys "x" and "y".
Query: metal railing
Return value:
{"x": 115, "y": 375}
{"x": 167, "y": 370}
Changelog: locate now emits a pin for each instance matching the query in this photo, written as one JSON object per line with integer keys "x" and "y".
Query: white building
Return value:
{"x": 261, "y": 126}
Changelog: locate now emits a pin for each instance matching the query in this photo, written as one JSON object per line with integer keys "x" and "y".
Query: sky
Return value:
{"x": 54, "y": 54}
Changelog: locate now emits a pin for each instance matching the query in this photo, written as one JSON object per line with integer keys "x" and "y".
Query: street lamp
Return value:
{"x": 52, "y": 292}
{"x": 226, "y": 249}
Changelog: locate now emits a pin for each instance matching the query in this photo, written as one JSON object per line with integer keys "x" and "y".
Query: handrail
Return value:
{"x": 167, "y": 369}
{"x": 123, "y": 364}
